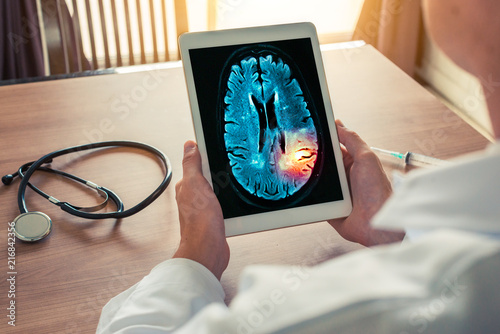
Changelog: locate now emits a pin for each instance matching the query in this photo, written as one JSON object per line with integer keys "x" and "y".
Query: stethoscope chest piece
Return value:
{"x": 32, "y": 226}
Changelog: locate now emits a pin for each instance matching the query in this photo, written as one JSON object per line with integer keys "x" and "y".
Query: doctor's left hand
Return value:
{"x": 203, "y": 236}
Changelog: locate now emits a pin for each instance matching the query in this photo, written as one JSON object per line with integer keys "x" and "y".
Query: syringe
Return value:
{"x": 413, "y": 159}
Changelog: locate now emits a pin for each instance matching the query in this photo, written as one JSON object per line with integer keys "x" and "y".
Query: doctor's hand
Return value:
{"x": 369, "y": 187}
{"x": 203, "y": 236}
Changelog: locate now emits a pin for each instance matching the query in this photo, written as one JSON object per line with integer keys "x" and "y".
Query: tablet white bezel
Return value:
{"x": 284, "y": 217}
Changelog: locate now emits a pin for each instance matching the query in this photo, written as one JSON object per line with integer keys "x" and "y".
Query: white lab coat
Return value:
{"x": 445, "y": 281}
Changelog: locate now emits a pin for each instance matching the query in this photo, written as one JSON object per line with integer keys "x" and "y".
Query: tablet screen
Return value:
{"x": 265, "y": 126}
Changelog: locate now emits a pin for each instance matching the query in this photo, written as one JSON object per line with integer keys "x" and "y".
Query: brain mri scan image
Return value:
{"x": 265, "y": 127}
{"x": 270, "y": 137}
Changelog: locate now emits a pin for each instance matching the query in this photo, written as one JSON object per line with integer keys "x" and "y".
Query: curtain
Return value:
{"x": 21, "y": 53}
{"x": 56, "y": 17}
{"x": 393, "y": 27}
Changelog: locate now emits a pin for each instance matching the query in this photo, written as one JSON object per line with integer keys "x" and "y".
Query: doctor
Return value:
{"x": 445, "y": 281}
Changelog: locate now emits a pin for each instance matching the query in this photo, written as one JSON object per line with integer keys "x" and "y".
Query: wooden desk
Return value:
{"x": 63, "y": 281}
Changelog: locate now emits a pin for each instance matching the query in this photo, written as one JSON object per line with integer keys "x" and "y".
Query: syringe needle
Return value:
{"x": 413, "y": 159}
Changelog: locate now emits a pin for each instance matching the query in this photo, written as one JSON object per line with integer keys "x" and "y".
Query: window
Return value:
{"x": 334, "y": 19}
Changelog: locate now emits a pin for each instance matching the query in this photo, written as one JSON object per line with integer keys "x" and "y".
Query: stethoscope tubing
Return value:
{"x": 65, "y": 206}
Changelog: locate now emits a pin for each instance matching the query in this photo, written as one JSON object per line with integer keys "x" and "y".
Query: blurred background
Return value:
{"x": 66, "y": 38}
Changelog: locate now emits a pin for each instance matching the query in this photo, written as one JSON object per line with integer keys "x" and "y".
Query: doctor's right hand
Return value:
{"x": 369, "y": 187}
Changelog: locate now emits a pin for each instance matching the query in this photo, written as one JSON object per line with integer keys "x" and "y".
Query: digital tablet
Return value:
{"x": 264, "y": 125}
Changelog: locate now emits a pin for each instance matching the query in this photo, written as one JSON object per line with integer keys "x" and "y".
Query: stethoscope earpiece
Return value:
{"x": 7, "y": 179}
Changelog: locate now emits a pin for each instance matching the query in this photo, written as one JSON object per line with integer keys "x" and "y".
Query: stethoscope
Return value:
{"x": 34, "y": 225}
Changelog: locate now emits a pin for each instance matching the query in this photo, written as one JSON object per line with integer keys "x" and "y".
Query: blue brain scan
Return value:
{"x": 271, "y": 137}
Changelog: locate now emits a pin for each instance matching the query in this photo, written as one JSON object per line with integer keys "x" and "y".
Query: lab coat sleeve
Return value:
{"x": 440, "y": 284}
{"x": 164, "y": 300}
{"x": 444, "y": 283}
